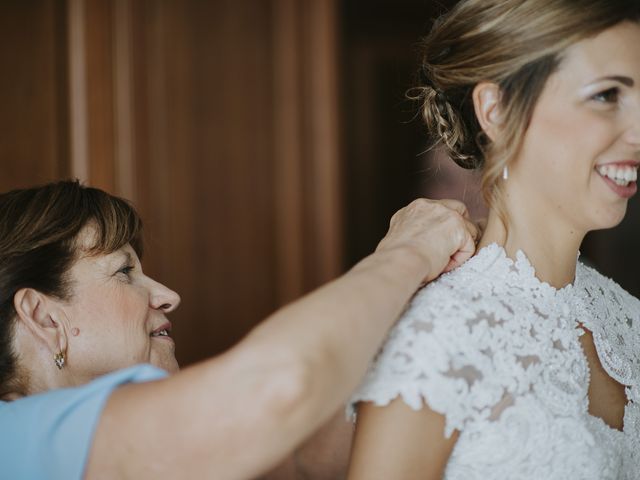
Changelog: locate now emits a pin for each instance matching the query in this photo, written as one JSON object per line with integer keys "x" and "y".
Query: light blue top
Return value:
{"x": 47, "y": 436}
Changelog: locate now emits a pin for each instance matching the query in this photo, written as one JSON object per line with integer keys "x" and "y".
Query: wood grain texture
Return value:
{"x": 218, "y": 119}
{"x": 33, "y": 118}
{"x": 224, "y": 139}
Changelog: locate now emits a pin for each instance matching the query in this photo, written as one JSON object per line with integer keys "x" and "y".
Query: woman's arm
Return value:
{"x": 237, "y": 415}
{"x": 399, "y": 443}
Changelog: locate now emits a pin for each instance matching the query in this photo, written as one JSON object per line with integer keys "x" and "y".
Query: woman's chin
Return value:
{"x": 166, "y": 362}
{"x": 612, "y": 218}
{"x": 604, "y": 215}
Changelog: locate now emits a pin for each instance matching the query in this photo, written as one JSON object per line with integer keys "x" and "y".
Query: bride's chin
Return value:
{"x": 611, "y": 217}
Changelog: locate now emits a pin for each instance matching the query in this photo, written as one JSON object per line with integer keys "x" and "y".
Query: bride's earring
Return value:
{"x": 505, "y": 173}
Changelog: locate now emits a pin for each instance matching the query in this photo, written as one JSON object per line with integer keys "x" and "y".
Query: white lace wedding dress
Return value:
{"x": 497, "y": 352}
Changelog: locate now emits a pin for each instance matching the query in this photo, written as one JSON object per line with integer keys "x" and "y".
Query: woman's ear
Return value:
{"x": 36, "y": 312}
{"x": 486, "y": 101}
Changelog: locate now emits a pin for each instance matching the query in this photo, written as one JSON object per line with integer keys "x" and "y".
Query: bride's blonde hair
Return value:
{"x": 516, "y": 44}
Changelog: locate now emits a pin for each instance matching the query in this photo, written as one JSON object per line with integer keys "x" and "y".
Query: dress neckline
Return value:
{"x": 521, "y": 265}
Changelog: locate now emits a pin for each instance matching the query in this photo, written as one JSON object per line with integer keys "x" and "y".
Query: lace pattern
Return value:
{"x": 498, "y": 353}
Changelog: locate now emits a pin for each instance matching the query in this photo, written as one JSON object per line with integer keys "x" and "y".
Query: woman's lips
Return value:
{"x": 162, "y": 332}
{"x": 624, "y": 191}
{"x": 621, "y": 177}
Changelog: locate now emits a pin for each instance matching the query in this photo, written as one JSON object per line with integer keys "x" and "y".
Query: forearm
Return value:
{"x": 333, "y": 333}
{"x": 238, "y": 414}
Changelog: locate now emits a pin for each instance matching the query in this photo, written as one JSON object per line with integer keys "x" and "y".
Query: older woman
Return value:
{"x": 523, "y": 363}
{"x": 83, "y": 331}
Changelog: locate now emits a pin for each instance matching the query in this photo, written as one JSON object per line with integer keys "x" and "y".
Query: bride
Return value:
{"x": 523, "y": 363}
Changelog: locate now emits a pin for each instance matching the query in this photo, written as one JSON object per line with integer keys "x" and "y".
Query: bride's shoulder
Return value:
{"x": 439, "y": 352}
{"x": 478, "y": 285}
{"x": 613, "y": 315}
{"x": 455, "y": 318}
{"x": 600, "y": 291}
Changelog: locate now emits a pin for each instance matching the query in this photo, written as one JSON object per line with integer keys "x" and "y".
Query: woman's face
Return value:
{"x": 582, "y": 149}
{"x": 116, "y": 316}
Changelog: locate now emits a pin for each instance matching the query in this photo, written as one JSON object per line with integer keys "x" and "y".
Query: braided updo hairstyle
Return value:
{"x": 516, "y": 44}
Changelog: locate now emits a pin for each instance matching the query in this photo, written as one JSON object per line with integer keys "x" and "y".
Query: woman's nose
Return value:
{"x": 633, "y": 133}
{"x": 163, "y": 298}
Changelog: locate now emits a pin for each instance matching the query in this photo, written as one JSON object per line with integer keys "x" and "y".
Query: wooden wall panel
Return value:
{"x": 227, "y": 161}
{"x": 101, "y": 94}
{"x": 33, "y": 93}
{"x": 217, "y": 119}
{"x": 203, "y": 164}
{"x": 99, "y": 61}
{"x": 307, "y": 161}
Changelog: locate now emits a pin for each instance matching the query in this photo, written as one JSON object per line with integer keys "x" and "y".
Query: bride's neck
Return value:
{"x": 550, "y": 246}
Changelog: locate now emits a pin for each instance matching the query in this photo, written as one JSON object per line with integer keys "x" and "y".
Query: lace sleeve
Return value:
{"x": 441, "y": 352}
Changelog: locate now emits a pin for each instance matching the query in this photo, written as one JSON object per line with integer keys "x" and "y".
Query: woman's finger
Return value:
{"x": 456, "y": 205}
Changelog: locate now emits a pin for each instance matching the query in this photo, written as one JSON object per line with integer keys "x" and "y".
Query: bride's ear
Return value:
{"x": 486, "y": 102}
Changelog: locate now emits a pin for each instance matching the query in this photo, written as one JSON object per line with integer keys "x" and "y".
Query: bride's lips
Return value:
{"x": 624, "y": 191}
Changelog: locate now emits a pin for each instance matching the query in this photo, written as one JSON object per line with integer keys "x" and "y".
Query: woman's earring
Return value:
{"x": 59, "y": 360}
{"x": 505, "y": 173}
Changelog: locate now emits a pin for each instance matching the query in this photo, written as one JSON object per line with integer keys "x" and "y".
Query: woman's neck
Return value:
{"x": 551, "y": 247}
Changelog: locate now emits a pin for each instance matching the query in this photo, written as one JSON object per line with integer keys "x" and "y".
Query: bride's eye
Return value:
{"x": 610, "y": 95}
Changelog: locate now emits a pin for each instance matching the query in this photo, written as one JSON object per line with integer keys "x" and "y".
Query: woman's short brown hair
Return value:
{"x": 516, "y": 44}
{"x": 39, "y": 229}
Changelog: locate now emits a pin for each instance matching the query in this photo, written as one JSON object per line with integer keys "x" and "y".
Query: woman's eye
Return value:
{"x": 608, "y": 96}
{"x": 126, "y": 270}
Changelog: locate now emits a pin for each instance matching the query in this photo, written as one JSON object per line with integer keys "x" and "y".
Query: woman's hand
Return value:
{"x": 439, "y": 231}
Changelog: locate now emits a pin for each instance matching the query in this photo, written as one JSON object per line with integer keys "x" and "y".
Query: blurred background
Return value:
{"x": 266, "y": 143}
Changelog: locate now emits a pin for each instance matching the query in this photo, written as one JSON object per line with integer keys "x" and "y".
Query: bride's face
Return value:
{"x": 582, "y": 149}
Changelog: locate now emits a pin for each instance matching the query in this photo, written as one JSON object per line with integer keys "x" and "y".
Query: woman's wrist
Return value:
{"x": 399, "y": 263}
